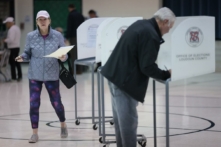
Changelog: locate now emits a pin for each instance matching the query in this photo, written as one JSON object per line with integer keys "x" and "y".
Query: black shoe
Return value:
{"x": 19, "y": 79}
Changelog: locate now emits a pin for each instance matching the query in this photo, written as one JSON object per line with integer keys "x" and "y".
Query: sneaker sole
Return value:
{"x": 32, "y": 141}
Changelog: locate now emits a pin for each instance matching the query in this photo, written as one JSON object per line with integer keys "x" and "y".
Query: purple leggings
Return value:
{"x": 55, "y": 98}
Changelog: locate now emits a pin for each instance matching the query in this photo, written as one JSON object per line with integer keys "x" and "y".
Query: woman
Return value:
{"x": 43, "y": 41}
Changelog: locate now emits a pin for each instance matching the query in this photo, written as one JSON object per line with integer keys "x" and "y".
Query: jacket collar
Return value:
{"x": 154, "y": 22}
{"x": 49, "y": 33}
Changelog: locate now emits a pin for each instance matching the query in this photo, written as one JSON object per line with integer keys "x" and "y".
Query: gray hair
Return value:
{"x": 165, "y": 13}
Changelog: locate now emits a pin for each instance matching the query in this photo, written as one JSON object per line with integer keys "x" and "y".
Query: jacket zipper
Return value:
{"x": 44, "y": 62}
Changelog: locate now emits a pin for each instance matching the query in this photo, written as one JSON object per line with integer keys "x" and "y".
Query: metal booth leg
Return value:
{"x": 92, "y": 89}
{"x": 167, "y": 116}
{"x": 154, "y": 114}
{"x": 77, "y": 122}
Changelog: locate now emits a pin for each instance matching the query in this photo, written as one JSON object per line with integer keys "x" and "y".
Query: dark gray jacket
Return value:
{"x": 41, "y": 68}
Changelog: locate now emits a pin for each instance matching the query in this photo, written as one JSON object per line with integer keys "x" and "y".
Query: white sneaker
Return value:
{"x": 34, "y": 138}
{"x": 64, "y": 132}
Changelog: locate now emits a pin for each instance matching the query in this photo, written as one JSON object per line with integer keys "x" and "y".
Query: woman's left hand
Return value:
{"x": 62, "y": 58}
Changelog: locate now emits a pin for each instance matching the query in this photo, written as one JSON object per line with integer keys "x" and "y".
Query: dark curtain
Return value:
{"x": 197, "y": 8}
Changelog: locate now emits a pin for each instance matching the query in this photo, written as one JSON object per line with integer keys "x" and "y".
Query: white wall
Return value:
{"x": 118, "y": 8}
{"x": 24, "y": 14}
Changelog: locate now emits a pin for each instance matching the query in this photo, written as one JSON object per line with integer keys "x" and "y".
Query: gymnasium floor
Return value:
{"x": 195, "y": 108}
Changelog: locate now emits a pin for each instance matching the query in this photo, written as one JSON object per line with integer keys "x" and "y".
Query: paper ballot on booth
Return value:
{"x": 61, "y": 51}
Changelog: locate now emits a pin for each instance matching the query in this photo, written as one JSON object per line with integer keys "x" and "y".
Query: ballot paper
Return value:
{"x": 61, "y": 51}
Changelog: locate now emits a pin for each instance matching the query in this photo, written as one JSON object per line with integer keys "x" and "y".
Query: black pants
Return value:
{"x": 73, "y": 53}
{"x": 14, "y": 64}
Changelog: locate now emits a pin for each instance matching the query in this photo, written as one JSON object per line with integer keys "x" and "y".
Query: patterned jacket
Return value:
{"x": 42, "y": 68}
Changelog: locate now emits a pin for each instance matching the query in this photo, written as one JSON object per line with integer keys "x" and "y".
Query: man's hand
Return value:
{"x": 19, "y": 59}
{"x": 62, "y": 58}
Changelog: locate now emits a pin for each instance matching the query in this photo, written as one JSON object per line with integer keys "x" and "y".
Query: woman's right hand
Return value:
{"x": 19, "y": 59}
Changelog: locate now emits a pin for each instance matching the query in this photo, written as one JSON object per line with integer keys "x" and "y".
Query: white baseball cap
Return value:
{"x": 9, "y": 19}
{"x": 43, "y": 13}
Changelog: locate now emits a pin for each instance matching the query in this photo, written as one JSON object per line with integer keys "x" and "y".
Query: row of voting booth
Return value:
{"x": 97, "y": 37}
{"x": 190, "y": 42}
{"x": 189, "y": 51}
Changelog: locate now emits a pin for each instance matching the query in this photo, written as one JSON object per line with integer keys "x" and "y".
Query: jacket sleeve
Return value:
{"x": 147, "y": 53}
{"x": 26, "y": 55}
{"x": 11, "y": 36}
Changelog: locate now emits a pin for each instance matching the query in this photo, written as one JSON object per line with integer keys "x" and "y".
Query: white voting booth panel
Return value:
{"x": 101, "y": 34}
{"x": 189, "y": 49}
{"x": 113, "y": 33}
{"x": 86, "y": 37}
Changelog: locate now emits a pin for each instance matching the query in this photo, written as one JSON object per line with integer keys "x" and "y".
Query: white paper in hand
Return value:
{"x": 61, "y": 51}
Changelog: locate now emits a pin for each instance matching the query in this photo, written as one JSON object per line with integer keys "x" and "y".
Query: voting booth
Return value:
{"x": 189, "y": 49}
{"x": 113, "y": 33}
{"x": 101, "y": 32}
{"x": 86, "y": 37}
{"x": 86, "y": 50}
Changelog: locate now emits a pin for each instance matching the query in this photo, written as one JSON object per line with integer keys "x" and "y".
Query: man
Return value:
{"x": 129, "y": 67}
{"x": 74, "y": 21}
{"x": 92, "y": 14}
{"x": 13, "y": 43}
